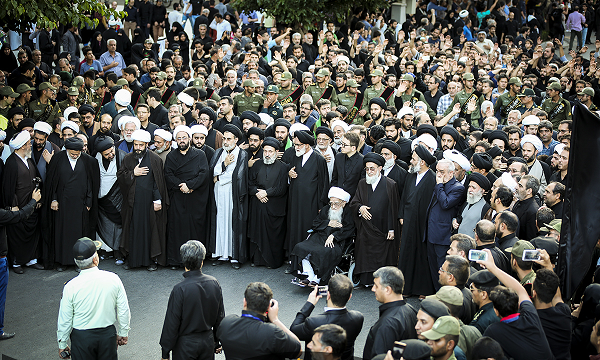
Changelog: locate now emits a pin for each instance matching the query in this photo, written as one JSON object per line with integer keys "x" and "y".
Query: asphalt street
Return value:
{"x": 33, "y": 301}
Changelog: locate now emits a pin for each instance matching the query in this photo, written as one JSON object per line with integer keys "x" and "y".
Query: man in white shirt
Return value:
{"x": 220, "y": 25}
{"x": 91, "y": 304}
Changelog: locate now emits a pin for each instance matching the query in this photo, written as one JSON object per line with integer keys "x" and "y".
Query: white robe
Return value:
{"x": 224, "y": 201}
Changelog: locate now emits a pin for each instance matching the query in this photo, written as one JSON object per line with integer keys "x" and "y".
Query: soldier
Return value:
{"x": 198, "y": 84}
{"x": 85, "y": 94}
{"x": 100, "y": 97}
{"x": 322, "y": 89}
{"x": 409, "y": 94}
{"x": 289, "y": 93}
{"x": 468, "y": 93}
{"x": 510, "y": 99}
{"x": 71, "y": 100}
{"x": 248, "y": 100}
{"x": 527, "y": 103}
{"x": 352, "y": 99}
{"x": 271, "y": 106}
{"x": 585, "y": 96}
{"x": 168, "y": 96}
{"x": 7, "y": 97}
{"x": 557, "y": 108}
{"x": 44, "y": 108}
{"x": 377, "y": 89}
{"x": 25, "y": 93}
{"x": 482, "y": 283}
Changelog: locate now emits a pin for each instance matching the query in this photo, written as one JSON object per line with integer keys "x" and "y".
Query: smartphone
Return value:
{"x": 531, "y": 255}
{"x": 398, "y": 350}
{"x": 322, "y": 290}
{"x": 477, "y": 255}
{"x": 65, "y": 354}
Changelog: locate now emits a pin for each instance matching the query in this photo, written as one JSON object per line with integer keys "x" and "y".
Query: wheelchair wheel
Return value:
{"x": 354, "y": 278}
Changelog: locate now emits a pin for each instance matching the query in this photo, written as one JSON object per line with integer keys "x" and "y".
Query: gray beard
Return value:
{"x": 228, "y": 148}
{"x": 268, "y": 161}
{"x": 322, "y": 147}
{"x": 300, "y": 152}
{"x": 473, "y": 198}
{"x": 414, "y": 169}
{"x": 161, "y": 149}
{"x": 388, "y": 164}
{"x": 371, "y": 179}
{"x": 336, "y": 215}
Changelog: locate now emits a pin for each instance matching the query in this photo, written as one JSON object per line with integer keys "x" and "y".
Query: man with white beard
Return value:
{"x": 332, "y": 229}
{"x": 339, "y": 129}
{"x": 348, "y": 164}
{"x": 267, "y": 187}
{"x": 475, "y": 208}
{"x": 127, "y": 125}
{"x": 325, "y": 137}
{"x": 162, "y": 143}
{"x": 375, "y": 211}
{"x": 229, "y": 168}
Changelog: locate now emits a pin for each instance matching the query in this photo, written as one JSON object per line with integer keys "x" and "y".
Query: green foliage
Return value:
{"x": 307, "y": 14}
{"x": 21, "y": 15}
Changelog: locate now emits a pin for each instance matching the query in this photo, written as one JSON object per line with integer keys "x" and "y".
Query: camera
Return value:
{"x": 398, "y": 350}
{"x": 322, "y": 290}
{"x": 37, "y": 182}
{"x": 531, "y": 255}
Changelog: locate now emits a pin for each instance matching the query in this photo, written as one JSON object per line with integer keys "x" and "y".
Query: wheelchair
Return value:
{"x": 348, "y": 264}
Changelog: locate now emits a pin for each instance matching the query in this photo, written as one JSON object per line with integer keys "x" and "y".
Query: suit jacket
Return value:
{"x": 447, "y": 199}
{"x": 347, "y": 180}
{"x": 526, "y": 211}
{"x": 350, "y": 320}
{"x": 159, "y": 115}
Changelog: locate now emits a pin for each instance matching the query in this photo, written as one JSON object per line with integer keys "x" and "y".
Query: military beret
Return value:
{"x": 434, "y": 308}
{"x": 480, "y": 180}
{"x": 484, "y": 278}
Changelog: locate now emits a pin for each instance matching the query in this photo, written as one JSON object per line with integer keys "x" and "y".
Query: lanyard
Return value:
{"x": 253, "y": 317}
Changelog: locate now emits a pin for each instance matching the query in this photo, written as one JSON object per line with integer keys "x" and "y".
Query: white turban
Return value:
{"x": 141, "y": 135}
{"x": 339, "y": 193}
{"x": 297, "y": 126}
{"x": 426, "y": 139}
{"x": 509, "y": 181}
{"x": 43, "y": 126}
{"x": 123, "y": 120}
{"x": 198, "y": 129}
{"x": 344, "y": 59}
{"x": 19, "y": 140}
{"x": 186, "y": 99}
{"x": 68, "y": 111}
{"x": 2, "y": 135}
{"x": 459, "y": 158}
{"x": 406, "y": 110}
{"x": 340, "y": 123}
{"x": 534, "y": 140}
{"x": 265, "y": 118}
{"x": 123, "y": 97}
{"x": 70, "y": 125}
{"x": 163, "y": 134}
{"x": 180, "y": 128}
{"x": 531, "y": 120}
{"x": 559, "y": 148}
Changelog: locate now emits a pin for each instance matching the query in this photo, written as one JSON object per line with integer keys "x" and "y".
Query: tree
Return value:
{"x": 22, "y": 15}
{"x": 307, "y": 14}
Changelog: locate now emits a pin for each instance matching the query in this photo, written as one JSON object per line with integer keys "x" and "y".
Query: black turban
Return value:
{"x": 482, "y": 161}
{"x": 281, "y": 122}
{"x": 516, "y": 159}
{"x": 450, "y": 131}
{"x": 74, "y": 143}
{"x": 427, "y": 129}
{"x": 251, "y": 115}
{"x": 324, "y": 130}
{"x": 232, "y": 129}
{"x": 480, "y": 180}
{"x": 27, "y": 122}
{"x": 495, "y": 151}
{"x": 305, "y": 137}
{"x": 103, "y": 143}
{"x": 271, "y": 141}
{"x": 379, "y": 101}
{"x": 256, "y": 131}
{"x": 393, "y": 147}
{"x": 424, "y": 154}
{"x": 498, "y": 134}
{"x": 14, "y": 111}
{"x": 374, "y": 158}
{"x": 210, "y": 112}
{"x": 85, "y": 109}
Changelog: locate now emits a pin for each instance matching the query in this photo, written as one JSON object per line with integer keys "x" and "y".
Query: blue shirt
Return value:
{"x": 107, "y": 59}
{"x": 95, "y": 65}
{"x": 549, "y": 150}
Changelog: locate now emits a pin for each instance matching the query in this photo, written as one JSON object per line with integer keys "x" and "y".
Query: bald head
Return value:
{"x": 485, "y": 232}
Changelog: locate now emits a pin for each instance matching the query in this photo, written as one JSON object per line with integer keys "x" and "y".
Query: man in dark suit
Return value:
{"x": 159, "y": 115}
{"x": 338, "y": 294}
{"x": 448, "y": 195}
{"x": 348, "y": 166}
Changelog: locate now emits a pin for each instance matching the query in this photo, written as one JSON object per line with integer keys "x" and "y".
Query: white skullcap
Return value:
{"x": 509, "y": 181}
{"x": 123, "y": 97}
{"x": 19, "y": 140}
{"x": 344, "y": 59}
{"x": 297, "y": 126}
{"x": 459, "y": 158}
{"x": 265, "y": 118}
{"x": 486, "y": 104}
{"x": 69, "y": 124}
{"x": 186, "y": 99}
{"x": 463, "y": 14}
{"x": 163, "y": 134}
{"x": 2, "y": 135}
{"x": 339, "y": 193}
{"x": 534, "y": 140}
{"x": 198, "y": 129}
{"x": 559, "y": 148}
{"x": 68, "y": 111}
{"x": 141, "y": 135}
{"x": 426, "y": 139}
{"x": 43, "y": 126}
{"x": 129, "y": 119}
{"x": 179, "y": 128}
{"x": 406, "y": 110}
{"x": 340, "y": 123}
{"x": 531, "y": 120}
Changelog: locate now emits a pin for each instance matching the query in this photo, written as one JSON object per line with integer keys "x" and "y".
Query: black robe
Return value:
{"x": 187, "y": 212}
{"x": 306, "y": 196}
{"x": 372, "y": 248}
{"x": 74, "y": 190}
{"x": 413, "y": 251}
{"x": 110, "y": 223}
{"x": 324, "y": 259}
{"x": 398, "y": 174}
{"x": 240, "y": 207}
{"x": 266, "y": 222}
{"x": 17, "y": 186}
{"x": 144, "y": 230}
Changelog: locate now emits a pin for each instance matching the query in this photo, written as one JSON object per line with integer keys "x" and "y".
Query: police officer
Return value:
{"x": 25, "y": 93}
{"x": 468, "y": 93}
{"x": 271, "y": 106}
{"x": 248, "y": 100}
{"x": 510, "y": 99}
{"x": 168, "y": 96}
{"x": 482, "y": 283}
{"x": 377, "y": 89}
{"x": 322, "y": 89}
{"x": 411, "y": 95}
{"x": 209, "y": 93}
{"x": 351, "y": 99}
{"x": 71, "y": 100}
{"x": 557, "y": 108}
{"x": 288, "y": 92}
{"x": 45, "y": 108}
{"x": 527, "y": 103}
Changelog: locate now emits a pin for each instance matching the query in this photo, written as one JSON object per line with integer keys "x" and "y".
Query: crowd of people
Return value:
{"x": 406, "y": 144}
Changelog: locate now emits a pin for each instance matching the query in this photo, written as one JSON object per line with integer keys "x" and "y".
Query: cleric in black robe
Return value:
{"x": 40, "y": 144}
{"x": 145, "y": 204}
{"x": 348, "y": 166}
{"x": 267, "y": 187}
{"x": 309, "y": 181}
{"x": 187, "y": 179}
{"x": 110, "y": 198}
{"x": 255, "y": 150}
{"x": 391, "y": 153}
{"x": 331, "y": 231}
{"x": 416, "y": 197}
{"x": 375, "y": 211}
{"x": 17, "y": 186}
{"x": 70, "y": 202}
{"x": 199, "y": 133}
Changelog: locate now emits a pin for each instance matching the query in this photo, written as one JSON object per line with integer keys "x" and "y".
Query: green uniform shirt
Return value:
{"x": 505, "y": 103}
{"x": 315, "y": 92}
{"x": 241, "y": 103}
{"x": 171, "y": 101}
{"x": 462, "y": 97}
{"x": 372, "y": 93}
{"x": 348, "y": 101}
{"x": 85, "y": 97}
{"x": 528, "y": 279}
{"x": 65, "y": 104}
{"x": 467, "y": 338}
{"x": 557, "y": 111}
{"x": 415, "y": 96}
{"x": 285, "y": 93}
{"x": 46, "y": 112}
{"x": 524, "y": 109}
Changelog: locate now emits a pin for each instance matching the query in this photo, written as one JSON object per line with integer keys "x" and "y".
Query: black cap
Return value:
{"x": 424, "y": 154}
{"x": 450, "y": 131}
{"x": 103, "y": 143}
{"x": 325, "y": 130}
{"x": 480, "y": 180}
{"x": 85, "y": 248}
{"x": 374, "y": 158}
{"x": 74, "y": 143}
{"x": 233, "y": 129}
{"x": 305, "y": 137}
{"x": 416, "y": 350}
{"x": 482, "y": 161}
{"x": 434, "y": 308}
{"x": 271, "y": 141}
{"x": 256, "y": 131}
{"x": 484, "y": 278}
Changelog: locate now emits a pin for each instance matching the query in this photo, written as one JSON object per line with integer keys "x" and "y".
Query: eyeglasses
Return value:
{"x": 446, "y": 271}
{"x": 335, "y": 204}
{"x": 343, "y": 145}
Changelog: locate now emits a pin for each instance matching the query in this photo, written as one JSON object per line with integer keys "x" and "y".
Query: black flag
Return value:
{"x": 581, "y": 223}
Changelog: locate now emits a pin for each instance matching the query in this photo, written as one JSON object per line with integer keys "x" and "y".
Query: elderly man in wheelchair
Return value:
{"x": 314, "y": 259}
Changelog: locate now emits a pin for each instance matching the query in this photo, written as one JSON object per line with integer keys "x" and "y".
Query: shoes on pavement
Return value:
{"x": 119, "y": 262}
{"x": 6, "y": 336}
{"x": 36, "y": 266}
{"x": 18, "y": 269}
{"x": 152, "y": 267}
{"x": 235, "y": 265}
{"x": 61, "y": 268}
